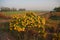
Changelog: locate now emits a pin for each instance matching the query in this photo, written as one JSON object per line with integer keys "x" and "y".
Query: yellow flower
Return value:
{"x": 38, "y": 26}
{"x": 19, "y": 19}
{"x": 17, "y": 23}
{"x": 33, "y": 21}
{"x": 10, "y": 28}
{"x": 23, "y": 24}
{"x": 24, "y": 16}
{"x": 35, "y": 25}
{"x": 23, "y": 29}
{"x": 43, "y": 21}
{"x": 14, "y": 25}
{"x": 18, "y": 29}
{"x": 15, "y": 28}
{"x": 39, "y": 22}
{"x": 31, "y": 18}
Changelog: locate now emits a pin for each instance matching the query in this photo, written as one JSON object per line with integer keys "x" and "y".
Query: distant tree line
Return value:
{"x": 10, "y": 9}
{"x": 53, "y": 14}
{"x": 57, "y": 9}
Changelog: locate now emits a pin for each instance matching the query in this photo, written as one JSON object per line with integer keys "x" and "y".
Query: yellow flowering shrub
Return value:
{"x": 27, "y": 21}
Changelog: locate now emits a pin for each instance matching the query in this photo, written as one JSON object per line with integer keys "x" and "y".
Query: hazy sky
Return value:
{"x": 30, "y": 4}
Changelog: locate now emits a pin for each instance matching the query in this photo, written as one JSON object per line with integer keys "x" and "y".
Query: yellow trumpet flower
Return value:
{"x": 43, "y": 21}
{"x": 15, "y": 28}
{"x": 10, "y": 28}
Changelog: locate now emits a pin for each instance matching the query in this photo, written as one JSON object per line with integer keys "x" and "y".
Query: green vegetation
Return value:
{"x": 55, "y": 17}
{"x": 13, "y": 12}
{"x": 8, "y": 13}
{"x": 57, "y": 9}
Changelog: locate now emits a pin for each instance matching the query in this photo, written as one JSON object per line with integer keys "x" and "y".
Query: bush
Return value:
{"x": 29, "y": 23}
{"x": 57, "y": 9}
{"x": 28, "y": 20}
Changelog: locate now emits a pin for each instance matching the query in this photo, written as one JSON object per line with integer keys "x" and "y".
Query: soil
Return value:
{"x": 6, "y": 36}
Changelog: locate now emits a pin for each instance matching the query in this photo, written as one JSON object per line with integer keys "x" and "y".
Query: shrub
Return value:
{"x": 27, "y": 21}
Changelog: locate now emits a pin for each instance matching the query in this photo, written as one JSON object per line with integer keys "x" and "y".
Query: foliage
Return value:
{"x": 5, "y": 9}
{"x": 27, "y": 21}
{"x": 10, "y": 9}
{"x": 57, "y": 9}
{"x": 22, "y": 9}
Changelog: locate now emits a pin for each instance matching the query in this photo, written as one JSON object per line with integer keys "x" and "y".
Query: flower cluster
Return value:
{"x": 27, "y": 21}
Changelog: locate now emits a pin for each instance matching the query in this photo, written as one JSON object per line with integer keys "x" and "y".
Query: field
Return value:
{"x": 11, "y": 13}
{"x": 52, "y": 27}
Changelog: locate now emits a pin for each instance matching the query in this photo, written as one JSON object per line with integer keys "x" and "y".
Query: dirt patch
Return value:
{"x": 4, "y": 16}
{"x": 3, "y": 21}
{"x": 6, "y": 36}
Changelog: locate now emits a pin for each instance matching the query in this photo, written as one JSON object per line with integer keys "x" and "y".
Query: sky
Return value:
{"x": 30, "y": 4}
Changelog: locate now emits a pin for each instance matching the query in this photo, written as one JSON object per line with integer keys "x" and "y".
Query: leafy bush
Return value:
{"x": 27, "y": 21}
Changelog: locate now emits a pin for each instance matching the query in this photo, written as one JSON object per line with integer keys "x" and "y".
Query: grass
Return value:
{"x": 8, "y": 13}
{"x": 13, "y": 12}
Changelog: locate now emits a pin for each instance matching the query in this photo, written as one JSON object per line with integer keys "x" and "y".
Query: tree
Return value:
{"x": 22, "y": 9}
{"x": 57, "y": 9}
{"x": 5, "y": 9}
{"x": 13, "y": 9}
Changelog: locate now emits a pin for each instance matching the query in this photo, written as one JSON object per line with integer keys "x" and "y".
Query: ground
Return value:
{"x": 6, "y": 36}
